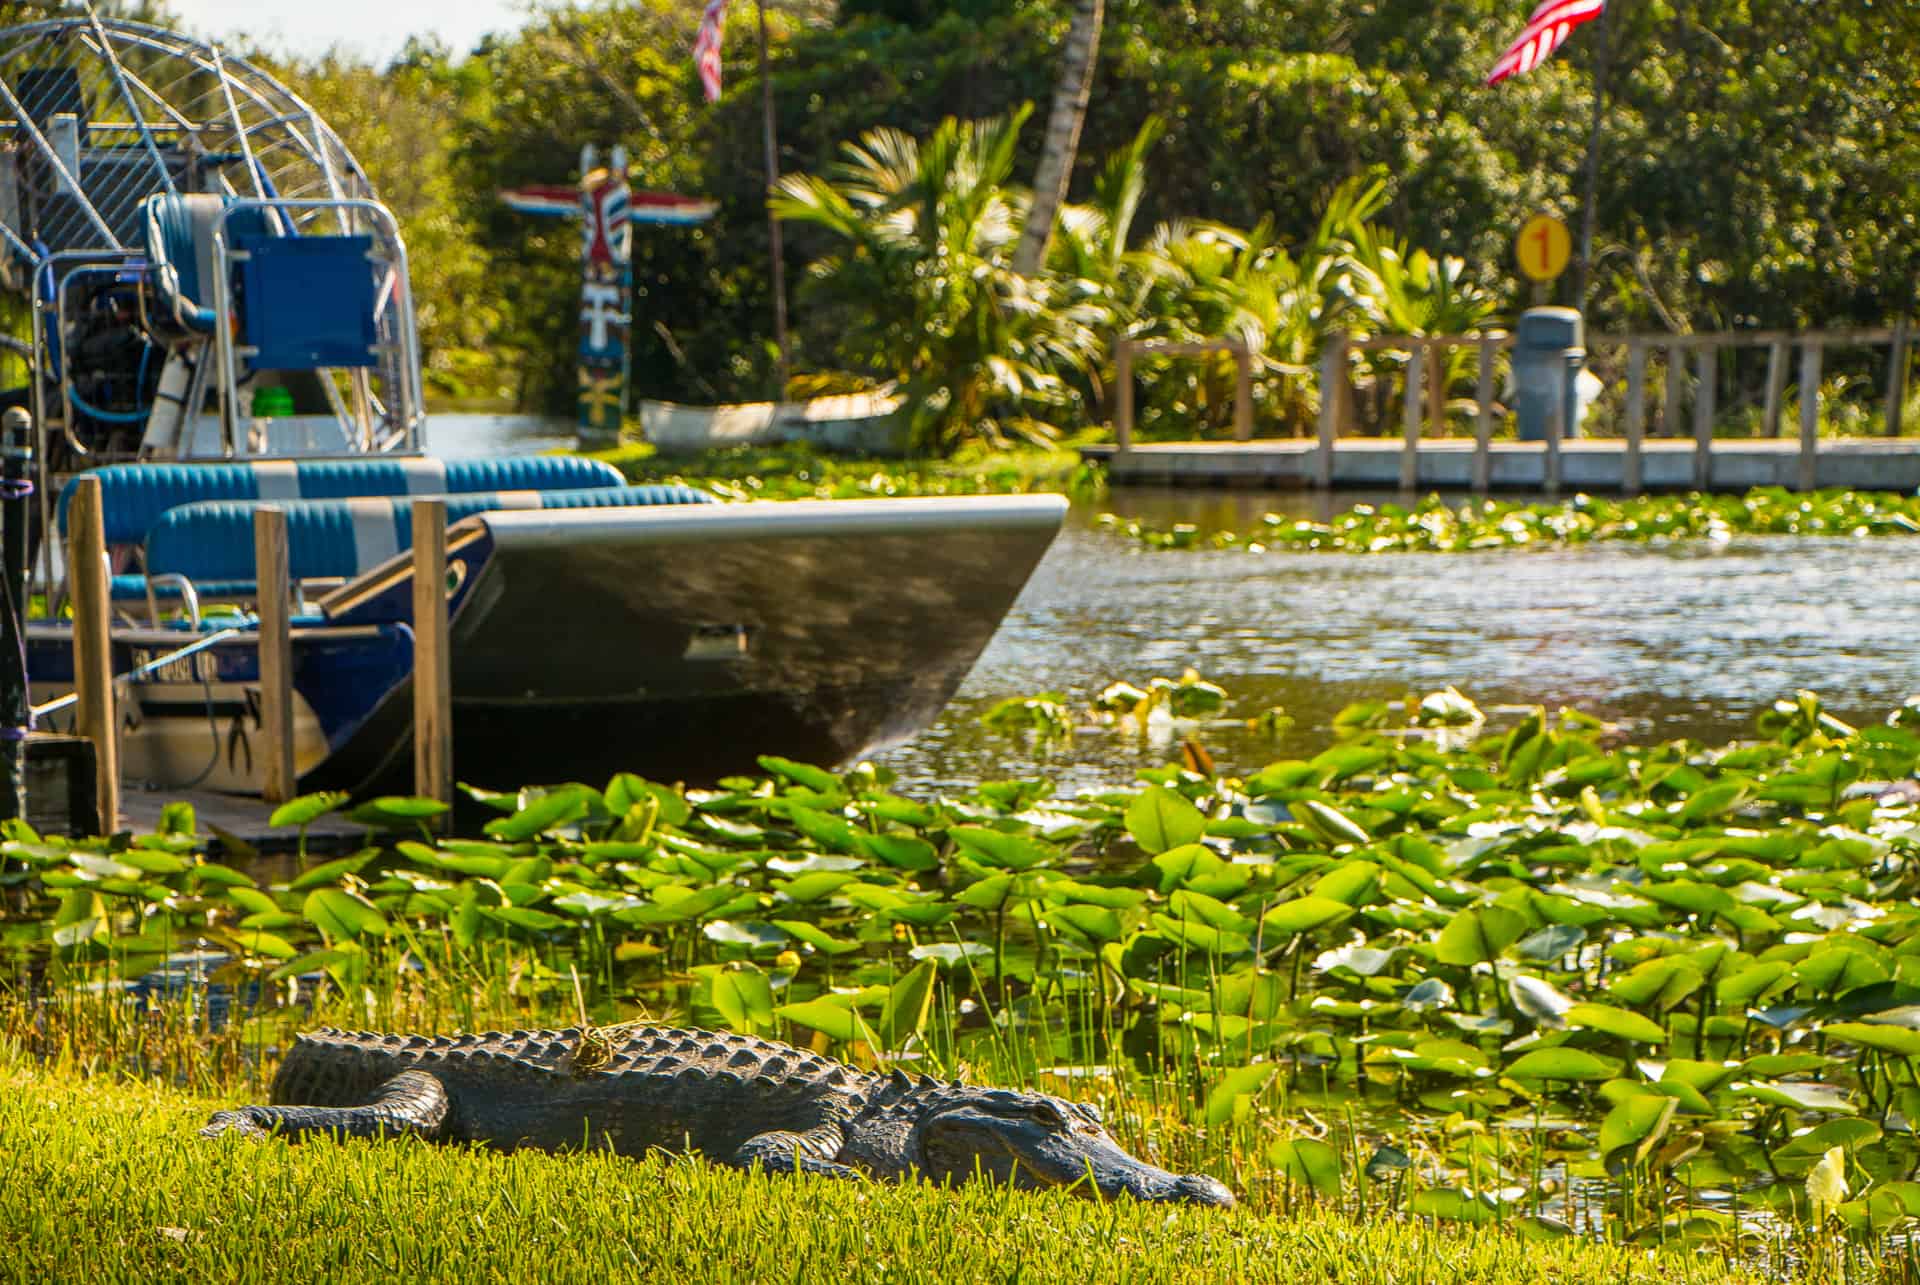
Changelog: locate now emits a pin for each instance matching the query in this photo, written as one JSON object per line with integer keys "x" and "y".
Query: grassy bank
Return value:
{"x": 802, "y": 473}
{"x": 1454, "y": 525}
{"x": 109, "y": 1181}
{"x": 1502, "y": 969}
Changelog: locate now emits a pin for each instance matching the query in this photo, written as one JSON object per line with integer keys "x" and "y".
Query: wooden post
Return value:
{"x": 1333, "y": 382}
{"x": 1436, "y": 391}
{"x": 1123, "y": 394}
{"x": 1410, "y": 453}
{"x": 95, "y": 716}
{"x": 1776, "y": 386}
{"x": 1809, "y": 413}
{"x": 1705, "y": 365}
{"x": 432, "y": 655}
{"x": 1897, "y": 378}
{"x": 1556, "y": 430}
{"x": 1242, "y": 394}
{"x": 1670, "y": 420}
{"x": 278, "y": 782}
{"x": 1483, "y": 418}
{"x": 1631, "y": 478}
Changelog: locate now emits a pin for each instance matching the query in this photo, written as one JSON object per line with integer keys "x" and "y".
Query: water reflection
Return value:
{"x": 464, "y": 435}
{"x": 1683, "y": 639}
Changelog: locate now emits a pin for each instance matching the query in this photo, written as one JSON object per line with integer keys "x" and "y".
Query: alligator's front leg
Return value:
{"x": 781, "y": 1151}
{"x": 411, "y": 1102}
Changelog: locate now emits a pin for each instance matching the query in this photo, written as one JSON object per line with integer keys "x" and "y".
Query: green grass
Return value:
{"x": 796, "y": 472}
{"x": 109, "y": 1180}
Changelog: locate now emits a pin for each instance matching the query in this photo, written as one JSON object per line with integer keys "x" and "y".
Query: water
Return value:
{"x": 1682, "y": 639}
{"x": 465, "y": 435}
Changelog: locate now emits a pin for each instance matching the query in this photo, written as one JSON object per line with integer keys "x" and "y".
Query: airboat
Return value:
{"x": 218, "y": 317}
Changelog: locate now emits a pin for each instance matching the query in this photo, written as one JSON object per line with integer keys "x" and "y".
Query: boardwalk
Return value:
{"x": 1596, "y": 464}
{"x": 242, "y": 817}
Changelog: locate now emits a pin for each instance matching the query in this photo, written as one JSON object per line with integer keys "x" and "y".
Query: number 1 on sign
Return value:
{"x": 1543, "y": 247}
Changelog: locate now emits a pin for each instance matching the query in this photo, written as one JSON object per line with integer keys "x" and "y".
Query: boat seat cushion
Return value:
{"x": 212, "y": 541}
{"x": 133, "y": 588}
{"x": 135, "y": 496}
{"x": 179, "y": 231}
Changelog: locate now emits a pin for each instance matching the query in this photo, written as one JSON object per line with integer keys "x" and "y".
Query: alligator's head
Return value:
{"x": 1032, "y": 1140}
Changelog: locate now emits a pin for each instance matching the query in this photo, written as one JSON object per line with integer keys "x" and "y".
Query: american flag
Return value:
{"x": 706, "y": 48}
{"x": 1545, "y": 30}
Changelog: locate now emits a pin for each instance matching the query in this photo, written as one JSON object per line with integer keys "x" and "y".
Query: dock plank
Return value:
{"x": 242, "y": 816}
{"x": 1586, "y": 464}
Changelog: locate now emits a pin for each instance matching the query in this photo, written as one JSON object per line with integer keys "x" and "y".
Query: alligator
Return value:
{"x": 734, "y": 1099}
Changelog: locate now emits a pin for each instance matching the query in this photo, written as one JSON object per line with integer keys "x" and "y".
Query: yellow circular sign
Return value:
{"x": 1543, "y": 247}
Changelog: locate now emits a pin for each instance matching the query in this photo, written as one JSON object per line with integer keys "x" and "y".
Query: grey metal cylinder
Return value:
{"x": 1549, "y": 352}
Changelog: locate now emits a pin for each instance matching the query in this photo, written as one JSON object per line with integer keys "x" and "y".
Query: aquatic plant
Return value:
{"x": 1438, "y": 525}
{"x": 1154, "y": 712}
{"x": 1509, "y": 969}
{"x": 797, "y": 472}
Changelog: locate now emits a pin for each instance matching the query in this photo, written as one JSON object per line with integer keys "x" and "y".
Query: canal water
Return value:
{"x": 1682, "y": 639}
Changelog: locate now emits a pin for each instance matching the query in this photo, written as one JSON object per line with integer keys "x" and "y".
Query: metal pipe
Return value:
{"x": 59, "y": 703}
{"x": 16, "y": 714}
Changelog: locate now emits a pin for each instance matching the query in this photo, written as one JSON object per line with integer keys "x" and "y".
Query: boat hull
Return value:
{"x": 678, "y": 643}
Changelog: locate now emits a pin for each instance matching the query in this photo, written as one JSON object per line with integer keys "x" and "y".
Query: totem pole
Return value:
{"x": 606, "y": 265}
{"x": 607, "y": 210}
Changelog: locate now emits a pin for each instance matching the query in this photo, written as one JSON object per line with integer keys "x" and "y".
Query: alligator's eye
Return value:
{"x": 1048, "y": 1115}
{"x": 1092, "y": 1112}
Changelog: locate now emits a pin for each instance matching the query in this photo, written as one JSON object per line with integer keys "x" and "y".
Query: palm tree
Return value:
{"x": 922, "y": 293}
{"x": 1062, "y": 140}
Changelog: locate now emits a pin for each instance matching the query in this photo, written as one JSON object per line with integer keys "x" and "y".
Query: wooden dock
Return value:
{"x": 242, "y": 816}
{"x": 1585, "y": 464}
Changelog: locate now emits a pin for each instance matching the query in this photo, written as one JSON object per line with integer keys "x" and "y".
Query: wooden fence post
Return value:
{"x": 273, "y": 594}
{"x": 1809, "y": 413}
{"x": 1483, "y": 418}
{"x": 1670, "y": 420}
{"x": 1333, "y": 382}
{"x": 1897, "y": 378}
{"x": 1705, "y": 362}
{"x": 1556, "y": 431}
{"x": 1242, "y": 394}
{"x": 1436, "y": 390}
{"x": 1776, "y": 386}
{"x": 95, "y": 716}
{"x": 1410, "y": 453}
{"x": 1631, "y": 477}
{"x": 1123, "y": 394}
{"x": 432, "y": 656}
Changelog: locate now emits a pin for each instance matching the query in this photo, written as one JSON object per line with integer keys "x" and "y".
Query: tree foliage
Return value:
{"x": 1760, "y": 168}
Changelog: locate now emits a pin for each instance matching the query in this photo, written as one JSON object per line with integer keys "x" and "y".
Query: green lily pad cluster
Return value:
{"x": 1486, "y": 974}
{"x": 1128, "y": 706}
{"x": 799, "y": 472}
{"x": 1436, "y": 525}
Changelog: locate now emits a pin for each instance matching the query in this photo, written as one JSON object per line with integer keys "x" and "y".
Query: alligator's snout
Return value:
{"x": 1144, "y": 1182}
{"x": 1202, "y": 1189}
{"x": 1031, "y": 1140}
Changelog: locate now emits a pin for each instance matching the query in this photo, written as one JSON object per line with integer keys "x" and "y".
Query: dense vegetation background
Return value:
{"x": 1761, "y": 162}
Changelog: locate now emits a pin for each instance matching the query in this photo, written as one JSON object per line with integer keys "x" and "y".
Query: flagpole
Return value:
{"x": 1602, "y": 56}
{"x": 773, "y": 222}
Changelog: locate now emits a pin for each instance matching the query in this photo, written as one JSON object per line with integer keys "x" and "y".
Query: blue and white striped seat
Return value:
{"x": 211, "y": 542}
{"x": 135, "y": 496}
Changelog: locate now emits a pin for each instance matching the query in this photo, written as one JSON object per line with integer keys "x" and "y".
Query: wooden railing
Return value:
{"x": 1423, "y": 366}
{"x": 1123, "y": 353}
